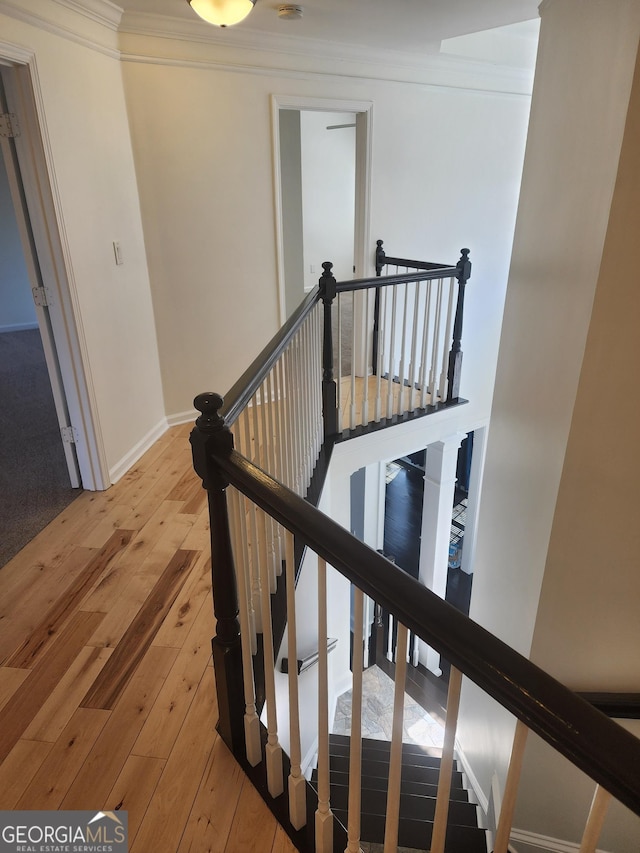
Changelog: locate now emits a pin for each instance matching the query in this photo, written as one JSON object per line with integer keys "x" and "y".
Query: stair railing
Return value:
{"x": 402, "y": 352}
{"x": 594, "y": 743}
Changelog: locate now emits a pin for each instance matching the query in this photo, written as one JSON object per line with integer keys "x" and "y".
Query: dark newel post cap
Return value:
{"x": 327, "y": 283}
{"x": 464, "y": 266}
{"x": 209, "y": 436}
{"x": 380, "y": 257}
{"x": 209, "y": 405}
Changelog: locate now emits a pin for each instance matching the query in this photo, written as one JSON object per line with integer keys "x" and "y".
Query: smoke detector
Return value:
{"x": 290, "y": 13}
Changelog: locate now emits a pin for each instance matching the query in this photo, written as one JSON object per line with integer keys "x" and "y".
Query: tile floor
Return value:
{"x": 377, "y": 713}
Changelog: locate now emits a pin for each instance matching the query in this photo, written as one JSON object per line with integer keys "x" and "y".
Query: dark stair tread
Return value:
{"x": 377, "y": 783}
{"x": 410, "y": 772}
{"x": 385, "y": 745}
{"x": 417, "y": 833}
{"x": 412, "y": 806}
{"x": 376, "y": 754}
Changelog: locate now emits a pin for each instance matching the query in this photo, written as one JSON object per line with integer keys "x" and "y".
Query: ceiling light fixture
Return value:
{"x": 222, "y": 13}
{"x": 289, "y": 13}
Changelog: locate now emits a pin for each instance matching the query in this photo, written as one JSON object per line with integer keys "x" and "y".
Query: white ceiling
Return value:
{"x": 412, "y": 26}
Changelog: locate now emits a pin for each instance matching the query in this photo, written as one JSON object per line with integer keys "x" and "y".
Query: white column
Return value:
{"x": 439, "y": 487}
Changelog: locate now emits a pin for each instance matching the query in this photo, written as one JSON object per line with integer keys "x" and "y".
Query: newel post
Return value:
{"x": 455, "y": 355}
{"x": 327, "y": 285}
{"x": 211, "y": 437}
{"x": 381, "y": 259}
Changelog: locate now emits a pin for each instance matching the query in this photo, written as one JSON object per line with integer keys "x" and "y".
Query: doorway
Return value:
{"x": 26, "y": 153}
{"x": 322, "y": 190}
{"x": 39, "y": 474}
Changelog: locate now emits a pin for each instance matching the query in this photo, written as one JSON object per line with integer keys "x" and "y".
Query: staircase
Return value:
{"x": 420, "y": 769}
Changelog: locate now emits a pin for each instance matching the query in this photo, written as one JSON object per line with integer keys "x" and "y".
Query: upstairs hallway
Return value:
{"x": 107, "y": 696}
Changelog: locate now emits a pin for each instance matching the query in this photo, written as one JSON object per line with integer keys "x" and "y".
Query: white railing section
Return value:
{"x": 446, "y": 765}
{"x": 324, "y": 815}
{"x": 297, "y": 782}
{"x": 244, "y": 517}
{"x": 281, "y": 431}
{"x": 392, "y": 819}
{"x": 355, "y": 745}
{"x": 414, "y": 339}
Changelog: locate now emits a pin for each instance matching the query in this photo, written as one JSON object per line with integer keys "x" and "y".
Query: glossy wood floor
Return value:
{"x": 107, "y": 696}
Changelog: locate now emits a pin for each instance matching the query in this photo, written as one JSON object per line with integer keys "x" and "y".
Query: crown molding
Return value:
{"x": 196, "y": 30}
{"x": 102, "y": 12}
{"x": 195, "y": 41}
{"x": 157, "y": 39}
{"x": 34, "y": 19}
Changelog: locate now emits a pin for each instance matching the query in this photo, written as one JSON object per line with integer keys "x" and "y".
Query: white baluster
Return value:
{"x": 251, "y": 719}
{"x": 392, "y": 821}
{"x": 252, "y": 544}
{"x": 507, "y": 808}
{"x": 382, "y": 307}
{"x": 434, "y": 343}
{"x": 273, "y": 750}
{"x": 365, "y": 361}
{"x": 355, "y": 745}
{"x": 424, "y": 356}
{"x": 338, "y": 378}
{"x": 403, "y": 347}
{"x": 268, "y": 543}
{"x": 446, "y": 764}
{"x": 392, "y": 353}
{"x": 297, "y": 783}
{"x": 390, "y": 639}
{"x": 446, "y": 342}
{"x": 324, "y": 815}
{"x": 414, "y": 344}
{"x": 595, "y": 821}
{"x": 352, "y": 418}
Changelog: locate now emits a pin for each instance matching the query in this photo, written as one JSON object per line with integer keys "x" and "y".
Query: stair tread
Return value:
{"x": 419, "y": 759}
{"x": 417, "y": 833}
{"x": 385, "y": 745}
{"x": 375, "y": 783}
{"x": 411, "y": 772}
{"x": 412, "y": 806}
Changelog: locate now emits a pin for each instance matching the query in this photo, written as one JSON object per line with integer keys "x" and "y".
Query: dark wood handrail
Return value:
{"x": 434, "y": 272}
{"x": 622, "y": 706}
{"x": 246, "y": 386}
{"x": 598, "y": 746}
{"x": 415, "y": 265}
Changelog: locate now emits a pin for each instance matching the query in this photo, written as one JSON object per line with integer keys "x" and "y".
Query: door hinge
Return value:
{"x": 9, "y": 127}
{"x": 40, "y": 297}
{"x": 70, "y": 435}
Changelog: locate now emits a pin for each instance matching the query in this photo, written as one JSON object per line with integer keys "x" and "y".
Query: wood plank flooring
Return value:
{"x": 107, "y": 696}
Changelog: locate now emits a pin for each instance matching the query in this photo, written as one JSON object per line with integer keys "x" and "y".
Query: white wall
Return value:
{"x": 445, "y": 173}
{"x": 16, "y": 304}
{"x": 328, "y": 194}
{"x": 585, "y": 66}
{"x": 87, "y": 139}
{"x": 291, "y": 193}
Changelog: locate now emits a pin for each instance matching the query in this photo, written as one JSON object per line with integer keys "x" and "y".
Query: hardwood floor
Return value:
{"x": 107, "y": 696}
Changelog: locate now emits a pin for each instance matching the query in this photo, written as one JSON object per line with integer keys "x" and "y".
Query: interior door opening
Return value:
{"x": 322, "y": 168}
{"x": 39, "y": 467}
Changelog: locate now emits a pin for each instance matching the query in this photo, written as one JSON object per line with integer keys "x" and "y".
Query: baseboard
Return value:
{"x": 182, "y": 418}
{"x": 545, "y": 843}
{"x": 130, "y": 459}
{"x": 18, "y": 327}
{"x": 483, "y": 802}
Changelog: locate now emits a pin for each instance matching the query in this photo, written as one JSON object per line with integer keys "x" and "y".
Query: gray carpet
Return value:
{"x": 34, "y": 481}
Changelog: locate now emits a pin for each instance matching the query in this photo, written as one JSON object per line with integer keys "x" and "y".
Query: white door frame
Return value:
{"x": 363, "y": 250}
{"x": 66, "y": 342}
